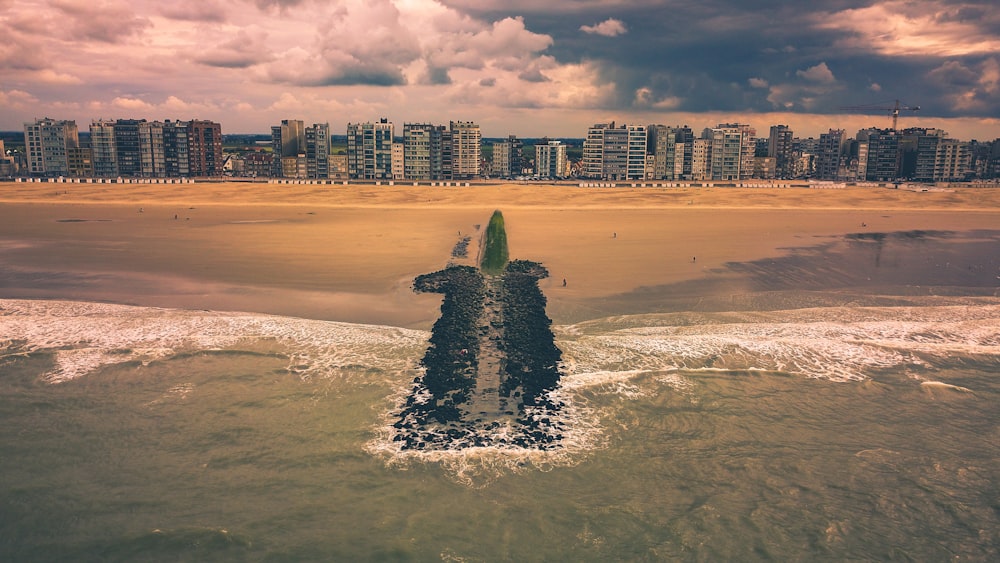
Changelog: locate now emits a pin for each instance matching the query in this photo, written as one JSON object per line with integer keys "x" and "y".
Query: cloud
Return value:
{"x": 608, "y": 28}
{"x": 969, "y": 89}
{"x": 757, "y": 82}
{"x": 107, "y": 21}
{"x": 49, "y": 76}
{"x": 819, "y": 73}
{"x": 131, "y": 104}
{"x": 17, "y": 99}
{"x": 242, "y": 51}
{"x": 193, "y": 10}
{"x": 901, "y": 28}
{"x": 354, "y": 43}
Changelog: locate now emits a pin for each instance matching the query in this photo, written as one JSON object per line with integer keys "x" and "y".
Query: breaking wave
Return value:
{"x": 627, "y": 356}
{"x": 84, "y": 337}
{"x": 833, "y": 343}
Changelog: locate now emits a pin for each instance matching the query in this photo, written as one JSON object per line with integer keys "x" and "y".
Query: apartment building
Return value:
{"x": 733, "y": 148}
{"x": 288, "y": 139}
{"x": 466, "y": 141}
{"x": 369, "y": 150}
{"x": 47, "y": 144}
{"x": 317, "y": 150}
{"x": 550, "y": 160}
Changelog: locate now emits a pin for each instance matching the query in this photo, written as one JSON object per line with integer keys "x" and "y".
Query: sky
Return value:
{"x": 531, "y": 68}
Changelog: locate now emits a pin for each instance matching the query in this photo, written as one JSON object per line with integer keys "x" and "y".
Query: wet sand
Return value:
{"x": 350, "y": 253}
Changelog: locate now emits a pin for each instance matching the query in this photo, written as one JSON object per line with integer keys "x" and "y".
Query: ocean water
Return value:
{"x": 842, "y": 430}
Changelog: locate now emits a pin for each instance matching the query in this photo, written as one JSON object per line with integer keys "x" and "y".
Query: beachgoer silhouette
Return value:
{"x": 564, "y": 282}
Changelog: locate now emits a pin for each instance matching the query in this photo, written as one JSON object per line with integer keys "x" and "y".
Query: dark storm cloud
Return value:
{"x": 731, "y": 55}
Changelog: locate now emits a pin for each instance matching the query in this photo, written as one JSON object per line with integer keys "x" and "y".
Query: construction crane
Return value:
{"x": 893, "y": 111}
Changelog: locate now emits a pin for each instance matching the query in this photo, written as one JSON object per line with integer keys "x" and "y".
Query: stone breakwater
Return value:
{"x": 490, "y": 366}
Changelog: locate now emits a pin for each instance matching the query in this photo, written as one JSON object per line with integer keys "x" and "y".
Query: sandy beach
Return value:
{"x": 350, "y": 253}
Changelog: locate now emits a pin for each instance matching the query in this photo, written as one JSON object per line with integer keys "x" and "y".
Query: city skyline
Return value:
{"x": 513, "y": 67}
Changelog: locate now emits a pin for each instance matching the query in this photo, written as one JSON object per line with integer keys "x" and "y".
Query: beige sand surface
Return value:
{"x": 350, "y": 252}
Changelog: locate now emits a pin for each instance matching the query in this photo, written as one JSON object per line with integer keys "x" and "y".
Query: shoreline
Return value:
{"x": 368, "y": 196}
{"x": 351, "y": 254}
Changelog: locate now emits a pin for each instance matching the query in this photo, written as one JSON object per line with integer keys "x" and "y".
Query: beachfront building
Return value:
{"x": 287, "y": 140}
{"x": 152, "y": 159}
{"x": 883, "y": 156}
{"x": 127, "y": 152}
{"x": 317, "y": 150}
{"x": 398, "y": 161}
{"x": 940, "y": 159}
{"x": 613, "y": 152}
{"x": 205, "y": 148}
{"x": 466, "y": 140}
{"x": 437, "y": 152}
{"x": 662, "y": 144}
{"x": 701, "y": 159}
{"x": 369, "y": 150}
{"x": 733, "y": 148}
{"x": 47, "y": 143}
{"x": 176, "y": 149}
{"x": 102, "y": 148}
{"x": 779, "y": 147}
{"x": 550, "y": 160}
{"x": 829, "y": 156}
{"x": 417, "y": 150}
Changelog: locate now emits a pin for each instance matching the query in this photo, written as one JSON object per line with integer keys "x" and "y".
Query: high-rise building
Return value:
{"x": 613, "y": 152}
{"x": 829, "y": 152}
{"x": 317, "y": 150}
{"x": 662, "y": 145}
{"x": 152, "y": 161}
{"x": 883, "y": 154}
{"x": 369, "y": 150}
{"x": 205, "y": 148}
{"x": 103, "y": 152}
{"x": 176, "y": 149}
{"x": 47, "y": 143}
{"x": 442, "y": 153}
{"x": 417, "y": 150}
{"x": 466, "y": 151}
{"x": 732, "y": 151}
{"x": 940, "y": 159}
{"x": 127, "y": 151}
{"x": 550, "y": 160}
{"x": 287, "y": 139}
{"x": 593, "y": 150}
{"x": 779, "y": 146}
{"x": 398, "y": 161}
{"x": 637, "y": 139}
{"x": 701, "y": 159}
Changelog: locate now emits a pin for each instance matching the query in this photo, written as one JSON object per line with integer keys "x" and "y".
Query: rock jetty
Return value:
{"x": 491, "y": 362}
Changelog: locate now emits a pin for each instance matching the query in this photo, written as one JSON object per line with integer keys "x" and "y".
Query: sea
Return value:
{"x": 789, "y": 424}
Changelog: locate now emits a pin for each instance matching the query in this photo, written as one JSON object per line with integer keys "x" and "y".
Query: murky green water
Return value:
{"x": 828, "y": 433}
